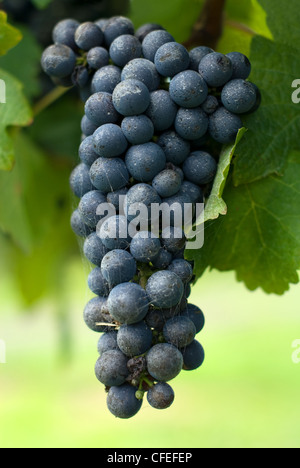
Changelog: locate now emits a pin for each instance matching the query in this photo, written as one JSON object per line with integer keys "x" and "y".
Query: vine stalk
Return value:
{"x": 209, "y": 26}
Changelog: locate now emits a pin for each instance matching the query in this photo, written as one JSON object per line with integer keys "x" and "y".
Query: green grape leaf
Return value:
{"x": 276, "y": 15}
{"x": 260, "y": 236}
{"x": 243, "y": 19}
{"x": 274, "y": 129}
{"x": 215, "y": 205}
{"x": 247, "y": 16}
{"x": 38, "y": 274}
{"x": 9, "y": 36}
{"x": 15, "y": 112}
{"x": 35, "y": 210}
{"x": 24, "y": 63}
{"x": 178, "y": 16}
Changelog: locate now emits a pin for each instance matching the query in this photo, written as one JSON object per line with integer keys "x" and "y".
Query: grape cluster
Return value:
{"x": 155, "y": 118}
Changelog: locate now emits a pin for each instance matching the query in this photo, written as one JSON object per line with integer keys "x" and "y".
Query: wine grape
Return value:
{"x": 155, "y": 118}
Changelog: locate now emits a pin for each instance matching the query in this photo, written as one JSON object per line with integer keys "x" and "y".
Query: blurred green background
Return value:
{"x": 247, "y": 392}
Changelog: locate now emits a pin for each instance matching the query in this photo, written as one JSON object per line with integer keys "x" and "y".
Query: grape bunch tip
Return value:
{"x": 155, "y": 118}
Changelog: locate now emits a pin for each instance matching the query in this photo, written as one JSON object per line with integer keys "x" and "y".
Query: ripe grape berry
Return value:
{"x": 155, "y": 118}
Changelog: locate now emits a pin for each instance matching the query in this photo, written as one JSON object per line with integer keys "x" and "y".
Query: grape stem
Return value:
{"x": 49, "y": 99}
{"x": 144, "y": 274}
{"x": 209, "y": 27}
{"x": 144, "y": 380}
{"x": 104, "y": 324}
{"x": 241, "y": 27}
{"x": 148, "y": 381}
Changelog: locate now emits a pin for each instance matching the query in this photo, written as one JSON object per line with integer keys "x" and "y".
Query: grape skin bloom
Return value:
{"x": 155, "y": 119}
